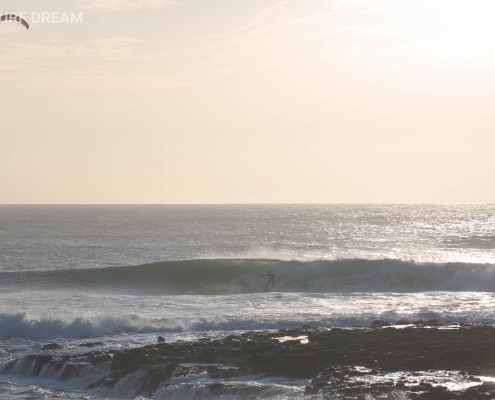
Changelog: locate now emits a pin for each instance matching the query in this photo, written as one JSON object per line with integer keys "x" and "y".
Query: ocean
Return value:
{"x": 117, "y": 277}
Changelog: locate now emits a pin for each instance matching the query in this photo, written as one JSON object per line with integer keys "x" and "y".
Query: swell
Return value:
{"x": 227, "y": 276}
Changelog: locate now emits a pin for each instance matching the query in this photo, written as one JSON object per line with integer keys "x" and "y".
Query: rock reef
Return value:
{"x": 421, "y": 360}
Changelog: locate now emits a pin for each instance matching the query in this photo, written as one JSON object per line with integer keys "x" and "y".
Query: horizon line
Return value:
{"x": 243, "y": 204}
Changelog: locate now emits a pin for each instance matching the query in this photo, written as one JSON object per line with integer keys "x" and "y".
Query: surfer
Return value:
{"x": 271, "y": 278}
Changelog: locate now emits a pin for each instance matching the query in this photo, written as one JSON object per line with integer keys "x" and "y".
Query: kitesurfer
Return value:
{"x": 13, "y": 17}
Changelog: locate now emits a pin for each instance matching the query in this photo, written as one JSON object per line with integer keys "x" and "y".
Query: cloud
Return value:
{"x": 267, "y": 13}
{"x": 114, "y": 48}
{"x": 106, "y": 110}
{"x": 124, "y": 5}
{"x": 277, "y": 30}
{"x": 115, "y": 42}
{"x": 90, "y": 80}
{"x": 86, "y": 66}
{"x": 255, "y": 24}
{"x": 10, "y": 28}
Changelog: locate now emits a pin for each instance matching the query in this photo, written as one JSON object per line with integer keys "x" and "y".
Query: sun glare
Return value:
{"x": 440, "y": 31}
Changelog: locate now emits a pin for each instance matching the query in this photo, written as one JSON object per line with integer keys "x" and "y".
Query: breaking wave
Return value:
{"x": 228, "y": 276}
{"x": 22, "y": 326}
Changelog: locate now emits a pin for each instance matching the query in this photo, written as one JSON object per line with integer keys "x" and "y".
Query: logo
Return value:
{"x": 53, "y": 17}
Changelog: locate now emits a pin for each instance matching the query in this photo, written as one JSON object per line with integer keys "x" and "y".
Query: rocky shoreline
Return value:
{"x": 420, "y": 360}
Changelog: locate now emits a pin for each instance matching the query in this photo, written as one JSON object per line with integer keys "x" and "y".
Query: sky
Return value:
{"x": 259, "y": 101}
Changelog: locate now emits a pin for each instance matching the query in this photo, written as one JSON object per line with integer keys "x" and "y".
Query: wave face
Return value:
{"x": 222, "y": 276}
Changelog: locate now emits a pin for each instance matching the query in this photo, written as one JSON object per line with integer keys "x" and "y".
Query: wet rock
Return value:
{"x": 52, "y": 346}
{"x": 379, "y": 322}
{"x": 70, "y": 371}
{"x": 40, "y": 362}
{"x": 109, "y": 383}
{"x": 216, "y": 387}
{"x": 206, "y": 355}
{"x": 157, "y": 375}
{"x": 91, "y": 344}
{"x": 341, "y": 363}
{"x": 422, "y": 387}
{"x": 126, "y": 362}
{"x": 161, "y": 339}
{"x": 99, "y": 358}
{"x": 316, "y": 388}
{"x": 438, "y": 393}
{"x": 255, "y": 359}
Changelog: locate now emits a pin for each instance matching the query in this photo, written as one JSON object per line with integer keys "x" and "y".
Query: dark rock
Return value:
{"x": 378, "y": 323}
{"x": 216, "y": 386}
{"x": 99, "y": 358}
{"x": 92, "y": 344}
{"x": 339, "y": 362}
{"x": 70, "y": 371}
{"x": 487, "y": 386}
{"x": 129, "y": 361}
{"x": 438, "y": 393}
{"x": 308, "y": 328}
{"x": 40, "y": 363}
{"x": 255, "y": 359}
{"x": 161, "y": 339}
{"x": 291, "y": 342}
{"x": 52, "y": 346}
{"x": 109, "y": 383}
{"x": 316, "y": 388}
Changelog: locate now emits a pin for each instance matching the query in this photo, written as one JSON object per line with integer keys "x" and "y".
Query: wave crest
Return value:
{"x": 222, "y": 276}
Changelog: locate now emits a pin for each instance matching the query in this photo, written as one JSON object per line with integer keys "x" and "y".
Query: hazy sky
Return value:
{"x": 249, "y": 101}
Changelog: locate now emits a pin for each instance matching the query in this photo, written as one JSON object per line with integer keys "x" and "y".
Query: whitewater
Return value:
{"x": 117, "y": 277}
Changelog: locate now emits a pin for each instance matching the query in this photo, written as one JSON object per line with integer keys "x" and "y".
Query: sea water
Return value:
{"x": 121, "y": 276}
